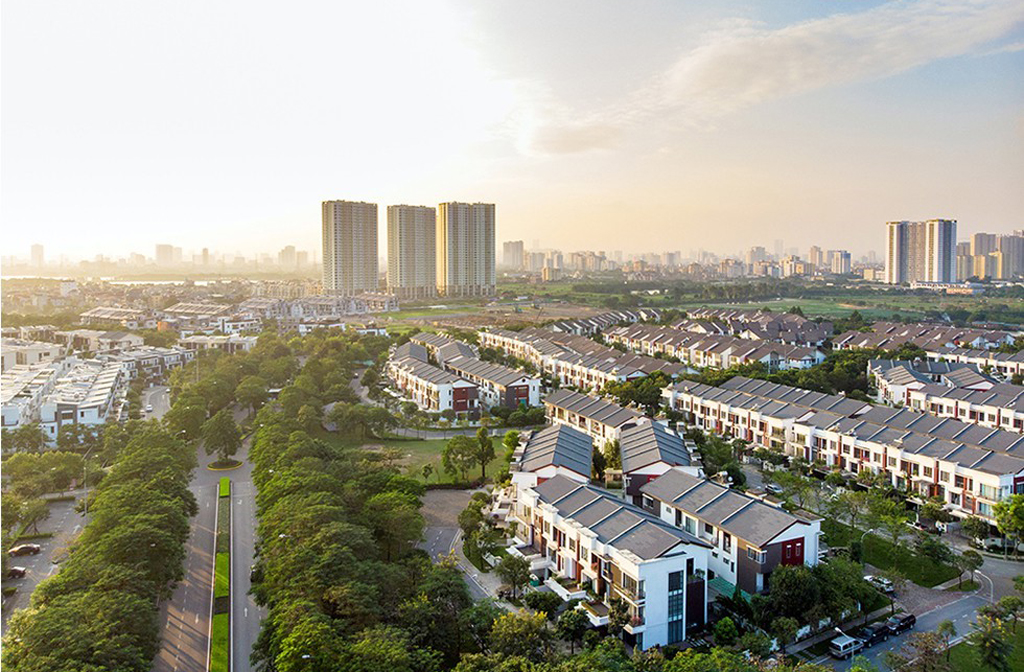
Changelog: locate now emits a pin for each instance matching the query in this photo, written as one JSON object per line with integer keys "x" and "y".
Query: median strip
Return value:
{"x": 220, "y": 624}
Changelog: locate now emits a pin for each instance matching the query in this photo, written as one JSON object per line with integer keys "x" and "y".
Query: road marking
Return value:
{"x": 197, "y": 618}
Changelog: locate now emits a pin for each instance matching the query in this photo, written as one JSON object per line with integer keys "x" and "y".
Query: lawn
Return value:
{"x": 963, "y": 656}
{"x": 220, "y": 633}
{"x": 224, "y": 489}
{"x": 878, "y": 552}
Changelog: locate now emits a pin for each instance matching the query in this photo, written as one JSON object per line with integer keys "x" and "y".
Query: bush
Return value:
{"x": 222, "y": 575}
{"x": 725, "y": 632}
{"x": 220, "y": 632}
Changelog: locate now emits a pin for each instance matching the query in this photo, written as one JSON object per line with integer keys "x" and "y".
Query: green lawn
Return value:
{"x": 963, "y": 656}
{"x": 220, "y": 633}
{"x": 222, "y": 575}
{"x": 878, "y": 552}
{"x": 225, "y": 487}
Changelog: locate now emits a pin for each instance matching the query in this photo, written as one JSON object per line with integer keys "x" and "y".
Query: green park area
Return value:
{"x": 879, "y": 553}
{"x": 964, "y": 656}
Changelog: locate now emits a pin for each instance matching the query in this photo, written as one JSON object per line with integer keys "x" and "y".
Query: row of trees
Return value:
{"x": 100, "y": 612}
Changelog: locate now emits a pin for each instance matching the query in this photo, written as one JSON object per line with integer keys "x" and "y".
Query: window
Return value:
{"x": 892, "y": 461}
{"x": 691, "y": 525}
{"x": 757, "y": 556}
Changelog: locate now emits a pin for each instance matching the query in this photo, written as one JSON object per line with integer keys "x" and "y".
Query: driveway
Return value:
{"x": 159, "y": 397}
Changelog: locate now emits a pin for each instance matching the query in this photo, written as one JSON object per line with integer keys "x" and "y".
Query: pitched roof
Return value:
{"x": 649, "y": 443}
{"x": 558, "y": 445}
{"x": 592, "y": 408}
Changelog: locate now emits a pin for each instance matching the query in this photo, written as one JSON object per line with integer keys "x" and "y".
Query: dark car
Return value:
{"x": 25, "y": 549}
{"x": 16, "y": 573}
{"x": 900, "y": 623}
{"x": 873, "y": 634}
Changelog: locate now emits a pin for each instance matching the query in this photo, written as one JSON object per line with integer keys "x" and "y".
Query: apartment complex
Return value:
{"x": 749, "y": 537}
{"x": 89, "y": 392}
{"x": 512, "y": 254}
{"x": 349, "y": 247}
{"x": 920, "y": 251}
{"x": 987, "y": 255}
{"x": 592, "y": 539}
{"x": 412, "y": 260}
{"x": 968, "y": 467}
{"x": 465, "y": 249}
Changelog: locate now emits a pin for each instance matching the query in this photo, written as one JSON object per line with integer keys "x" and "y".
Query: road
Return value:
{"x": 159, "y": 397}
{"x": 963, "y": 613}
{"x": 65, "y": 524}
{"x": 186, "y": 617}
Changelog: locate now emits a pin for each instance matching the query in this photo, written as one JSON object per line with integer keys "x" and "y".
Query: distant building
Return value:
{"x": 465, "y": 249}
{"x": 923, "y": 251}
{"x": 164, "y": 255}
{"x": 38, "y": 259}
{"x": 286, "y": 257}
{"x": 512, "y": 254}
{"x": 349, "y": 247}
{"x": 411, "y": 251}
{"x": 840, "y": 262}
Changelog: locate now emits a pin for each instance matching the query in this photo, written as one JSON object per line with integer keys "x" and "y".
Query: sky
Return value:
{"x": 646, "y": 125}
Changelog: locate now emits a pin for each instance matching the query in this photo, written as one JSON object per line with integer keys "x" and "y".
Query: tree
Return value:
{"x": 1011, "y": 607}
{"x": 484, "y": 451}
{"x": 395, "y": 520}
{"x": 785, "y": 628}
{"x": 899, "y": 582}
{"x": 543, "y": 602}
{"x": 921, "y": 653}
{"x": 618, "y": 616}
{"x": 510, "y": 442}
{"x": 478, "y": 621}
{"x": 186, "y": 417}
{"x": 251, "y": 392}
{"x": 571, "y": 626}
{"x": 1009, "y": 515}
{"x": 612, "y": 455}
{"x": 34, "y": 512}
{"x": 515, "y": 571}
{"x": 975, "y": 527}
{"x": 29, "y": 437}
{"x": 968, "y": 561}
{"x": 947, "y": 631}
{"x": 522, "y": 634}
{"x": 725, "y": 632}
{"x": 895, "y": 526}
{"x": 12, "y": 507}
{"x": 989, "y": 640}
{"x": 428, "y": 470}
{"x": 458, "y": 455}
{"x": 756, "y": 642}
{"x": 220, "y": 435}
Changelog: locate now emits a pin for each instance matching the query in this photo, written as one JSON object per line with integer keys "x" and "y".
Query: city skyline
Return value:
{"x": 728, "y": 122}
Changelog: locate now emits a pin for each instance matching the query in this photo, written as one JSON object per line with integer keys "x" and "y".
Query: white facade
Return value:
{"x": 465, "y": 249}
{"x": 412, "y": 239}
{"x": 349, "y": 247}
{"x": 924, "y": 251}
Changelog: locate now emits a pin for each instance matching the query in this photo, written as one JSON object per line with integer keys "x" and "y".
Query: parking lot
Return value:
{"x": 65, "y": 524}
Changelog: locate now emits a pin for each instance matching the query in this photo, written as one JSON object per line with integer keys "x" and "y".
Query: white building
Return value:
{"x": 16, "y": 352}
{"x": 89, "y": 392}
{"x": 350, "y": 247}
{"x": 465, "y": 249}
{"x": 924, "y": 251}
{"x": 602, "y": 420}
{"x": 412, "y": 262}
{"x": 432, "y": 389}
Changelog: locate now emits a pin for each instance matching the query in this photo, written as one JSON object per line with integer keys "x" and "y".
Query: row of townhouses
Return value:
{"x": 588, "y": 326}
{"x": 430, "y": 387}
{"x": 714, "y": 351}
{"x": 896, "y": 378}
{"x": 1005, "y": 364}
{"x": 575, "y": 361}
{"x": 930, "y": 337}
{"x": 757, "y": 325}
{"x": 968, "y": 467}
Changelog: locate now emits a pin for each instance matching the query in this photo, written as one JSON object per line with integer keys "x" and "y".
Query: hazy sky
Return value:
{"x": 633, "y": 125}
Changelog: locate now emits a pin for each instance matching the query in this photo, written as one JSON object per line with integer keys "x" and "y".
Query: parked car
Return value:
{"x": 873, "y": 634}
{"x": 149, "y": 408}
{"x": 774, "y": 489}
{"x": 900, "y": 623}
{"x": 881, "y": 583}
{"x": 844, "y": 646}
{"x": 16, "y": 572}
{"x": 25, "y": 549}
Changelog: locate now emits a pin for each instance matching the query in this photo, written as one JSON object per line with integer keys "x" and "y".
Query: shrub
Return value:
{"x": 543, "y": 601}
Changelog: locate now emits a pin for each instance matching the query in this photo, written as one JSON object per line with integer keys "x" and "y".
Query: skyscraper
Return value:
{"x": 164, "y": 255}
{"x": 411, "y": 257}
{"x": 512, "y": 254}
{"x": 38, "y": 258}
{"x": 920, "y": 251}
{"x": 286, "y": 257}
{"x": 465, "y": 249}
{"x": 350, "y": 247}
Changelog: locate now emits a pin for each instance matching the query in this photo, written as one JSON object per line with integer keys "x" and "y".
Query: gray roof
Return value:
{"x": 558, "y": 445}
{"x": 616, "y": 523}
{"x": 410, "y": 350}
{"x": 742, "y": 516}
{"x": 428, "y": 372}
{"x": 592, "y": 408}
{"x": 649, "y": 443}
{"x": 454, "y": 350}
{"x": 495, "y": 373}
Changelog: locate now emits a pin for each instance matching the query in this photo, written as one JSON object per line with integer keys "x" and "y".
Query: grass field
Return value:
{"x": 878, "y": 552}
{"x": 220, "y": 633}
{"x": 222, "y": 575}
{"x": 224, "y": 487}
{"x": 963, "y": 656}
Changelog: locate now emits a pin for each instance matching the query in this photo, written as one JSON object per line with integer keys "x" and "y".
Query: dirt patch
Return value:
{"x": 441, "y": 508}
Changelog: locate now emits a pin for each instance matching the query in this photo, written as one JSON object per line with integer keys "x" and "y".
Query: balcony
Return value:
{"x": 635, "y": 625}
{"x": 597, "y": 612}
{"x": 565, "y": 589}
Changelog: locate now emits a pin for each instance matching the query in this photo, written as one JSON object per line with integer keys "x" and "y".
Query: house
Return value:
{"x": 498, "y": 385}
{"x": 433, "y": 389}
{"x": 749, "y": 537}
{"x": 648, "y": 450}
{"x": 558, "y": 450}
{"x": 588, "y": 538}
{"x": 602, "y": 420}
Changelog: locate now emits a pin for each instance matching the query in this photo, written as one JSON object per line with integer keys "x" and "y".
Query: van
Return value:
{"x": 844, "y": 646}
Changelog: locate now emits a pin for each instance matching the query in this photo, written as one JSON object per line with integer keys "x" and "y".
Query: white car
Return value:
{"x": 149, "y": 408}
{"x": 881, "y": 583}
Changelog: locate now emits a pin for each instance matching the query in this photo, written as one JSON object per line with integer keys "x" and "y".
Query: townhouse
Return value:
{"x": 968, "y": 467}
{"x": 432, "y": 389}
{"x": 23, "y": 388}
{"x": 98, "y": 341}
{"x": 1000, "y": 406}
{"x": 498, "y": 385}
{"x": 89, "y": 392}
{"x": 759, "y": 325}
{"x": 749, "y": 537}
{"x": 128, "y": 318}
{"x": 930, "y": 337}
{"x": 895, "y": 379}
{"x": 557, "y": 450}
{"x": 600, "y": 419}
{"x": 587, "y": 326}
{"x": 150, "y": 361}
{"x": 648, "y": 450}
{"x": 713, "y": 351}
{"x": 229, "y": 343}
{"x": 592, "y": 543}
{"x": 434, "y": 342}
{"x": 1005, "y": 364}
{"x": 17, "y": 352}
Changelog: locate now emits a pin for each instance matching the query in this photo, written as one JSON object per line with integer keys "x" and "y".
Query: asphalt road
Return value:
{"x": 245, "y": 614}
{"x": 185, "y": 618}
{"x": 963, "y": 613}
{"x": 159, "y": 397}
{"x": 65, "y": 524}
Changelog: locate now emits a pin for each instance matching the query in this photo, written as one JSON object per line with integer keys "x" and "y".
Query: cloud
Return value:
{"x": 743, "y": 63}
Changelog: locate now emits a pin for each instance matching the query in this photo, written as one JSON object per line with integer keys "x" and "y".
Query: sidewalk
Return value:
{"x": 829, "y": 633}
{"x": 487, "y": 582}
